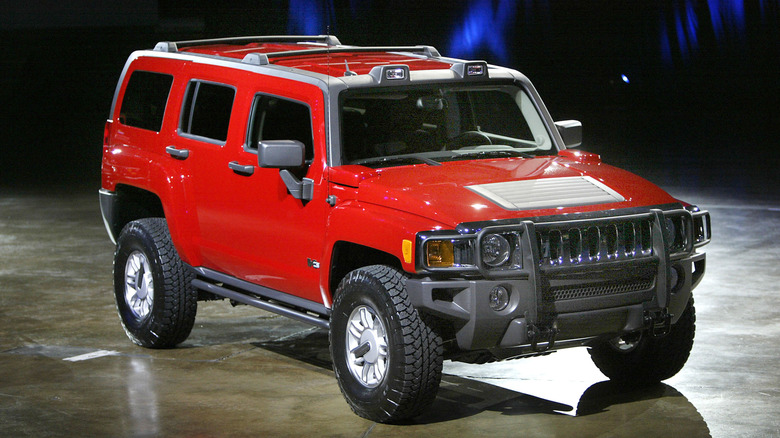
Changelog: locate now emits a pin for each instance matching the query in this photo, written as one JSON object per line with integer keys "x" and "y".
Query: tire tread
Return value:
{"x": 172, "y": 323}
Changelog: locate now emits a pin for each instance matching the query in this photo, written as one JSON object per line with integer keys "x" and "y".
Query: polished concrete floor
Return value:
{"x": 67, "y": 368}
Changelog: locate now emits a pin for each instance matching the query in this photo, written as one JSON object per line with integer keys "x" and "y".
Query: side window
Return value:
{"x": 206, "y": 111}
{"x": 274, "y": 118}
{"x": 143, "y": 105}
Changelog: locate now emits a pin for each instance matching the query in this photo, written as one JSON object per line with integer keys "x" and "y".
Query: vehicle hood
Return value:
{"x": 483, "y": 190}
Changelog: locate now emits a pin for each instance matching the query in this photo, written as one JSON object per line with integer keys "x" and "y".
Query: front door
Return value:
{"x": 250, "y": 226}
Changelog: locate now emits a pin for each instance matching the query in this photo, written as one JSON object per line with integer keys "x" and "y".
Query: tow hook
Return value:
{"x": 658, "y": 322}
{"x": 542, "y": 339}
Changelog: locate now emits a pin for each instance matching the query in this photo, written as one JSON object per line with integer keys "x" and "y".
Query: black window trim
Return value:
{"x": 180, "y": 129}
{"x": 248, "y": 140}
{"x": 167, "y": 98}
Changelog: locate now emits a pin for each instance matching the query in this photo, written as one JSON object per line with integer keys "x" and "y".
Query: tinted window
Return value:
{"x": 496, "y": 112}
{"x": 206, "y": 111}
{"x": 143, "y": 105}
{"x": 279, "y": 119}
{"x": 391, "y": 126}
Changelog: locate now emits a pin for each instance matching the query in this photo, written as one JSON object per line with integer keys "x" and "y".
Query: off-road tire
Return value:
{"x": 170, "y": 315}
{"x": 414, "y": 350}
{"x": 651, "y": 360}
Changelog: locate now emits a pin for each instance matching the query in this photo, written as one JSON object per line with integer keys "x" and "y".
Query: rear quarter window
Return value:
{"x": 146, "y": 95}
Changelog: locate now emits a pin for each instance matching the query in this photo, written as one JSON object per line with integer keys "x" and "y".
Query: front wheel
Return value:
{"x": 152, "y": 286}
{"x": 639, "y": 358}
{"x": 387, "y": 360}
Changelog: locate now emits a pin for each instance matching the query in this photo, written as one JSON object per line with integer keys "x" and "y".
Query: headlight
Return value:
{"x": 439, "y": 253}
{"x": 501, "y": 250}
{"x": 449, "y": 253}
{"x": 495, "y": 250}
{"x": 702, "y": 228}
{"x": 678, "y": 233}
{"x": 498, "y": 249}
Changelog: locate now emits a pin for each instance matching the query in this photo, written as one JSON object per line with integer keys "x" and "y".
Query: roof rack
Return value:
{"x": 169, "y": 46}
{"x": 263, "y": 58}
{"x": 333, "y": 46}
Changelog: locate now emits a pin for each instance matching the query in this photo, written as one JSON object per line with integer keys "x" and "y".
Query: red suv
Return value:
{"x": 419, "y": 207}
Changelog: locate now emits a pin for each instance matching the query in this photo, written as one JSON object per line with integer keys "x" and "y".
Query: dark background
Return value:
{"x": 698, "y": 106}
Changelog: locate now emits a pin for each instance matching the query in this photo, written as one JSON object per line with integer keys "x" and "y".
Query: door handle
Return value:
{"x": 241, "y": 169}
{"x": 181, "y": 154}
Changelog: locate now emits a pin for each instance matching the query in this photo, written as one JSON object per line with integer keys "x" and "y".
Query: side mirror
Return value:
{"x": 280, "y": 153}
{"x": 571, "y": 132}
{"x": 284, "y": 155}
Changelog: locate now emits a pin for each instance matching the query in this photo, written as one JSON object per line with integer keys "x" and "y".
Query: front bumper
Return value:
{"x": 569, "y": 299}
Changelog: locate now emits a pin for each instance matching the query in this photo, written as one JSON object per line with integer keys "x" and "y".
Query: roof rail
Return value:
{"x": 168, "y": 46}
{"x": 427, "y": 51}
{"x": 333, "y": 46}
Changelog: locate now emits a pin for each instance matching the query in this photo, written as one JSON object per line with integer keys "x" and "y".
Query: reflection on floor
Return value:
{"x": 66, "y": 367}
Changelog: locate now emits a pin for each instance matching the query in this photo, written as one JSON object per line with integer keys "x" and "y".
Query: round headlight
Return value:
{"x": 671, "y": 231}
{"x": 495, "y": 250}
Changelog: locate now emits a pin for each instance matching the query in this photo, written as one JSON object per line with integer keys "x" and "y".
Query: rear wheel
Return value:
{"x": 639, "y": 358}
{"x": 387, "y": 360}
{"x": 152, "y": 286}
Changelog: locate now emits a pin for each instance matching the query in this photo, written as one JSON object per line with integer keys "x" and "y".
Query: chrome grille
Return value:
{"x": 623, "y": 239}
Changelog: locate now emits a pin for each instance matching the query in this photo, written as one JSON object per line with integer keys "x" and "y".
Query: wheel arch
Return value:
{"x": 361, "y": 234}
{"x": 348, "y": 256}
{"x": 126, "y": 204}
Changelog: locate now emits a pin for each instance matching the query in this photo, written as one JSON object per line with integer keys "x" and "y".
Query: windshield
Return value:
{"x": 397, "y": 126}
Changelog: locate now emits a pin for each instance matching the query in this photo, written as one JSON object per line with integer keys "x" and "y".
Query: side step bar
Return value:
{"x": 262, "y": 297}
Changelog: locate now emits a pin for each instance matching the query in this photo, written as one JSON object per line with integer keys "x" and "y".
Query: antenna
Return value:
{"x": 331, "y": 199}
{"x": 347, "y": 72}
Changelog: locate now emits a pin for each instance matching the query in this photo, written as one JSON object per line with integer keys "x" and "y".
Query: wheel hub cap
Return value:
{"x": 139, "y": 286}
{"x": 366, "y": 347}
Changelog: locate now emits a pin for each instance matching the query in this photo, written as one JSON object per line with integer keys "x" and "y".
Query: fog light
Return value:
{"x": 499, "y": 298}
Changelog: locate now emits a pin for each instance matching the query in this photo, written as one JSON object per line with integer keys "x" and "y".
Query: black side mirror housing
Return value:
{"x": 571, "y": 132}
{"x": 285, "y": 155}
{"x": 281, "y": 154}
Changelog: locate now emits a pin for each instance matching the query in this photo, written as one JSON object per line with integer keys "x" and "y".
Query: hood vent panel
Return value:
{"x": 547, "y": 193}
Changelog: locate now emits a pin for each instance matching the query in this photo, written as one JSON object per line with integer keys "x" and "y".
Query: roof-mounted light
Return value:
{"x": 475, "y": 70}
{"x": 471, "y": 70}
{"x": 386, "y": 74}
{"x": 397, "y": 73}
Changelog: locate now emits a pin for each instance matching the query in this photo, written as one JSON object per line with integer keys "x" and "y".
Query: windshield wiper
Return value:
{"x": 381, "y": 161}
{"x": 499, "y": 153}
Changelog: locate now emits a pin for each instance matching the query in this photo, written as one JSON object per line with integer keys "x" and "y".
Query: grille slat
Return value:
{"x": 624, "y": 239}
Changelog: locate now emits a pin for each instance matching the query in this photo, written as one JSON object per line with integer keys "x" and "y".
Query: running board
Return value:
{"x": 262, "y": 297}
